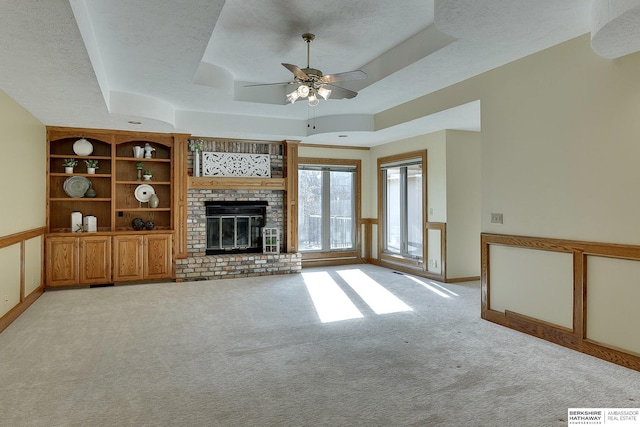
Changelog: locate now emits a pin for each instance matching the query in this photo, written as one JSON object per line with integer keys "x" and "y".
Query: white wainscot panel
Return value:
{"x": 532, "y": 282}
{"x": 32, "y": 265}
{"x": 10, "y": 282}
{"x": 434, "y": 250}
{"x": 613, "y": 302}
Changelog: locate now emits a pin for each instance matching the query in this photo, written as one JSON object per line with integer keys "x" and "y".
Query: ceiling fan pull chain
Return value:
{"x": 311, "y": 118}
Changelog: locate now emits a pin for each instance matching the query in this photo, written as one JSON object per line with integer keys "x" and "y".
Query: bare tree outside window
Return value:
{"x": 326, "y": 209}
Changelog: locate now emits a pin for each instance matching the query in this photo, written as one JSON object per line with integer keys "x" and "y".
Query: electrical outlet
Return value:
{"x": 496, "y": 218}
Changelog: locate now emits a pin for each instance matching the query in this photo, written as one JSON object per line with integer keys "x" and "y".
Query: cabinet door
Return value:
{"x": 95, "y": 259}
{"x": 158, "y": 261}
{"x": 62, "y": 261}
{"x": 127, "y": 258}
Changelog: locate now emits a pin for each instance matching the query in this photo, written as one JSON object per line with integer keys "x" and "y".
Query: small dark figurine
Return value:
{"x": 149, "y": 225}
{"x": 138, "y": 224}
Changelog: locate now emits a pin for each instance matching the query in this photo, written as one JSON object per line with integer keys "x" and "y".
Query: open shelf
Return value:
{"x": 115, "y": 180}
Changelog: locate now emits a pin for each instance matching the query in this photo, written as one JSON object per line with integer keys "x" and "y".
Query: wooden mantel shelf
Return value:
{"x": 208, "y": 182}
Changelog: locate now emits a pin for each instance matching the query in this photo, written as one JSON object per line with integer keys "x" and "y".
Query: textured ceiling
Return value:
{"x": 183, "y": 66}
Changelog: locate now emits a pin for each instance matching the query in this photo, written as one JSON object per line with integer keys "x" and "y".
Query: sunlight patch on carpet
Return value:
{"x": 432, "y": 288}
{"x": 330, "y": 301}
{"x": 374, "y": 294}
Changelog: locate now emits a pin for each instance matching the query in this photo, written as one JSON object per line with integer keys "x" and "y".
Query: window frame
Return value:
{"x": 401, "y": 160}
{"x": 333, "y": 256}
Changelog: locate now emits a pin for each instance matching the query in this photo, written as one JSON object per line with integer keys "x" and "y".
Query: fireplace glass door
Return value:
{"x": 230, "y": 233}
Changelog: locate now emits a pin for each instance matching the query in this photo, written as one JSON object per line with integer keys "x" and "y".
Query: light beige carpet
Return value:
{"x": 253, "y": 352}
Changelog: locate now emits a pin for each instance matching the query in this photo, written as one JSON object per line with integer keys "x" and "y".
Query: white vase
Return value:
{"x": 68, "y": 169}
{"x": 196, "y": 163}
{"x": 138, "y": 152}
{"x": 147, "y": 177}
{"x": 154, "y": 201}
{"x": 91, "y": 171}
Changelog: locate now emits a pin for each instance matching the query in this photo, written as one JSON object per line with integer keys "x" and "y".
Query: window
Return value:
{"x": 402, "y": 207}
{"x": 327, "y": 208}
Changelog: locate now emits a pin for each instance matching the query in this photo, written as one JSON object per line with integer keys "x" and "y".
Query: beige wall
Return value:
{"x": 23, "y": 198}
{"x": 22, "y": 169}
{"x": 560, "y": 144}
{"x": 463, "y": 204}
{"x": 559, "y": 158}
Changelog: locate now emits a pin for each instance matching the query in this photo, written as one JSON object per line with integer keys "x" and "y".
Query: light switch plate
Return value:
{"x": 496, "y": 218}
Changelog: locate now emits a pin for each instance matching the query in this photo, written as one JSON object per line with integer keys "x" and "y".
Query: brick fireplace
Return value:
{"x": 202, "y": 266}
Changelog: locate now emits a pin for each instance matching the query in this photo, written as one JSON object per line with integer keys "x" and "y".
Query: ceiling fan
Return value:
{"x": 312, "y": 83}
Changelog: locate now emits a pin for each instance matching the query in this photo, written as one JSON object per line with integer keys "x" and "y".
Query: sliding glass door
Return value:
{"x": 326, "y": 210}
{"x": 402, "y": 193}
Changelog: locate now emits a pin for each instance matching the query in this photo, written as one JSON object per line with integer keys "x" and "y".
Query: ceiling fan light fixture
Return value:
{"x": 303, "y": 91}
{"x": 313, "y": 100}
{"x": 324, "y": 93}
{"x": 293, "y": 96}
{"x": 311, "y": 81}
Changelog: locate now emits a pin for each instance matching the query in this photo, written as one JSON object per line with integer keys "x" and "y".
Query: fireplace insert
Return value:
{"x": 234, "y": 226}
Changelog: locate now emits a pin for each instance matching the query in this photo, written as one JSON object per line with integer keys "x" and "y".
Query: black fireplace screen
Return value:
{"x": 234, "y": 227}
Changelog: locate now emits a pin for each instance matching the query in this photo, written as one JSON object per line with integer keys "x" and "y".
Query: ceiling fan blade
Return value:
{"x": 296, "y": 71}
{"x": 338, "y": 92}
{"x": 270, "y": 84}
{"x": 340, "y": 77}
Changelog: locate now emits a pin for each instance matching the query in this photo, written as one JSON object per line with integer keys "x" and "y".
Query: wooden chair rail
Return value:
{"x": 574, "y": 338}
{"x": 25, "y": 300}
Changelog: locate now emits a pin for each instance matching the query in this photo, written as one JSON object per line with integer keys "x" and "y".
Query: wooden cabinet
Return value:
{"x": 158, "y": 260}
{"x": 87, "y": 259}
{"x": 74, "y": 261}
{"x": 95, "y": 259}
{"x": 118, "y": 252}
{"x": 62, "y": 261}
{"x": 142, "y": 257}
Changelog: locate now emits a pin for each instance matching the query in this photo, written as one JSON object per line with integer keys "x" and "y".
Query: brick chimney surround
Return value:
{"x": 200, "y": 266}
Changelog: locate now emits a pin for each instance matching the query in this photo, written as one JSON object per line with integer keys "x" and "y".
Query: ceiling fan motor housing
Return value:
{"x": 312, "y": 72}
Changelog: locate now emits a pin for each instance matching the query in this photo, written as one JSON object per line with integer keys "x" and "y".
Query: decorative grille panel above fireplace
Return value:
{"x": 234, "y": 227}
{"x": 236, "y": 165}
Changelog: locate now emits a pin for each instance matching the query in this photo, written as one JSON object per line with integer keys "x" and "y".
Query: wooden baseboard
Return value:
{"x": 562, "y": 336}
{"x": 462, "y": 279}
{"x": 573, "y": 338}
{"x": 329, "y": 262}
{"x": 16, "y": 311}
{"x": 408, "y": 269}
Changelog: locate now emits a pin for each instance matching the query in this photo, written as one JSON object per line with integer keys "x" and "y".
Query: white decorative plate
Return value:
{"x": 82, "y": 147}
{"x": 143, "y": 192}
{"x": 76, "y": 186}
